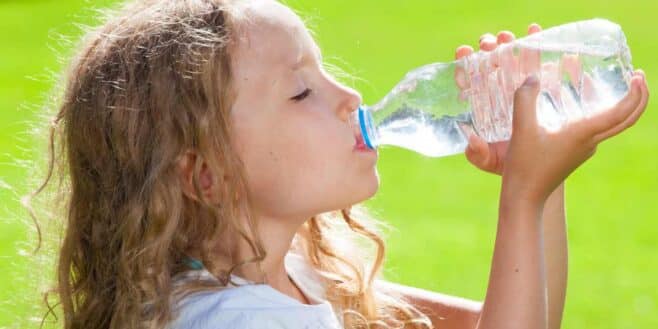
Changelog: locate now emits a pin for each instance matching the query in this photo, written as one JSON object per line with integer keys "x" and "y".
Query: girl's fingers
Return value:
{"x": 572, "y": 65}
{"x": 534, "y": 28}
{"x": 525, "y": 105}
{"x": 644, "y": 77}
{"x": 504, "y": 37}
{"x": 631, "y": 120}
{"x": 603, "y": 122}
{"x": 460, "y": 75}
{"x": 488, "y": 42}
{"x": 507, "y": 63}
{"x": 472, "y": 152}
{"x": 463, "y": 51}
{"x": 502, "y": 57}
{"x": 478, "y": 151}
{"x": 529, "y": 58}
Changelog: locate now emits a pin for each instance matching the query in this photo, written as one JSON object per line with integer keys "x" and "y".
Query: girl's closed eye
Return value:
{"x": 302, "y": 95}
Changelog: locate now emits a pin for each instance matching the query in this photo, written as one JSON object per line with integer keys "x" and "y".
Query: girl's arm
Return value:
{"x": 556, "y": 254}
{"x": 451, "y": 312}
{"x": 516, "y": 294}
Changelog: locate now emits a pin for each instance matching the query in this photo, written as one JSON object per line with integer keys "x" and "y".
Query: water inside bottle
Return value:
{"x": 573, "y": 85}
{"x": 602, "y": 81}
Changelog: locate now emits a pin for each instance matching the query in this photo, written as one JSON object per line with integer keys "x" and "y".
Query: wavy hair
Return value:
{"x": 148, "y": 85}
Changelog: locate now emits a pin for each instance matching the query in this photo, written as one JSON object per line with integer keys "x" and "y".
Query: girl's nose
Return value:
{"x": 350, "y": 102}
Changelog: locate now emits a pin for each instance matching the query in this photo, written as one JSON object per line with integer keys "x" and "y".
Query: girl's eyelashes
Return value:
{"x": 302, "y": 95}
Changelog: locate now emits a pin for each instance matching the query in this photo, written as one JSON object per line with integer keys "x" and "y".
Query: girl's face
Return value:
{"x": 290, "y": 121}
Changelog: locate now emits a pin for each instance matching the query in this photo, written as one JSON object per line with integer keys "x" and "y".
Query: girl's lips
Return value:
{"x": 359, "y": 142}
{"x": 360, "y": 145}
{"x": 358, "y": 138}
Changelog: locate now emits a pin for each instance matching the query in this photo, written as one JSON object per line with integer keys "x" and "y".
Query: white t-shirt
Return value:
{"x": 259, "y": 305}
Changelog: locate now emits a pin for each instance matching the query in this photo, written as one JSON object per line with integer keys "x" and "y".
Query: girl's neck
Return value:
{"x": 276, "y": 237}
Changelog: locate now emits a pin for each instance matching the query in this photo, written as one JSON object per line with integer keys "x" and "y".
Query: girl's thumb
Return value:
{"x": 525, "y": 103}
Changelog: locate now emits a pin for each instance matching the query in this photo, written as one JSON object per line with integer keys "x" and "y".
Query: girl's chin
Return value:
{"x": 369, "y": 188}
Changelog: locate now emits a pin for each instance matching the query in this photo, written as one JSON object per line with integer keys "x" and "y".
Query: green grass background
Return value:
{"x": 444, "y": 210}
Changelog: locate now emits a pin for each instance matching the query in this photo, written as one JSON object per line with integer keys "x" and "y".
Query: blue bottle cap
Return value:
{"x": 365, "y": 122}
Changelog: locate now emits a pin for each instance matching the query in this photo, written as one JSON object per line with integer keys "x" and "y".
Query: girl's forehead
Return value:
{"x": 273, "y": 38}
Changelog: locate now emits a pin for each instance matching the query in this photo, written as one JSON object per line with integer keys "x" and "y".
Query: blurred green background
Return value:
{"x": 444, "y": 210}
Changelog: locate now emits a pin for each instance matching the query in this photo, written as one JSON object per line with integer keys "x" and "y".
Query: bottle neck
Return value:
{"x": 362, "y": 125}
{"x": 367, "y": 127}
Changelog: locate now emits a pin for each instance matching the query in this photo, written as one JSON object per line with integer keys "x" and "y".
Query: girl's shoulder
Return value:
{"x": 251, "y": 305}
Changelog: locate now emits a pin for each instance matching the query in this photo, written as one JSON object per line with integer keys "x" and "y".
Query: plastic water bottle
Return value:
{"x": 583, "y": 67}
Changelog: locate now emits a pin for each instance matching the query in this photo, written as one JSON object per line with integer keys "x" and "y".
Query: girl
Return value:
{"x": 200, "y": 197}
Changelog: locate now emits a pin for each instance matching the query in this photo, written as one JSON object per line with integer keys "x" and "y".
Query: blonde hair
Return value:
{"x": 153, "y": 82}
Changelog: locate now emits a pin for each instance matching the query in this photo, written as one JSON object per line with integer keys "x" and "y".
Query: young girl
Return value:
{"x": 213, "y": 173}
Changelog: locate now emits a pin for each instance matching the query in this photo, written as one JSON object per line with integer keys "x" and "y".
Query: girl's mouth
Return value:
{"x": 360, "y": 145}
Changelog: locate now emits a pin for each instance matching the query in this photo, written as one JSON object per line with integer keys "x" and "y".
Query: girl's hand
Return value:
{"x": 489, "y": 157}
{"x": 585, "y": 132}
{"x": 538, "y": 160}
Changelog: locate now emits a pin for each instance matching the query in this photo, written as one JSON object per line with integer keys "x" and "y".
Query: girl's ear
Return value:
{"x": 208, "y": 183}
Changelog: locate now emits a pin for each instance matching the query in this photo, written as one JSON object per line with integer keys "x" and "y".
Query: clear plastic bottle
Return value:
{"x": 583, "y": 67}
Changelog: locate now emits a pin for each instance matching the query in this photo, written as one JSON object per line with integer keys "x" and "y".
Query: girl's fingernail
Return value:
{"x": 487, "y": 36}
{"x": 639, "y": 80}
{"x": 639, "y": 73}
